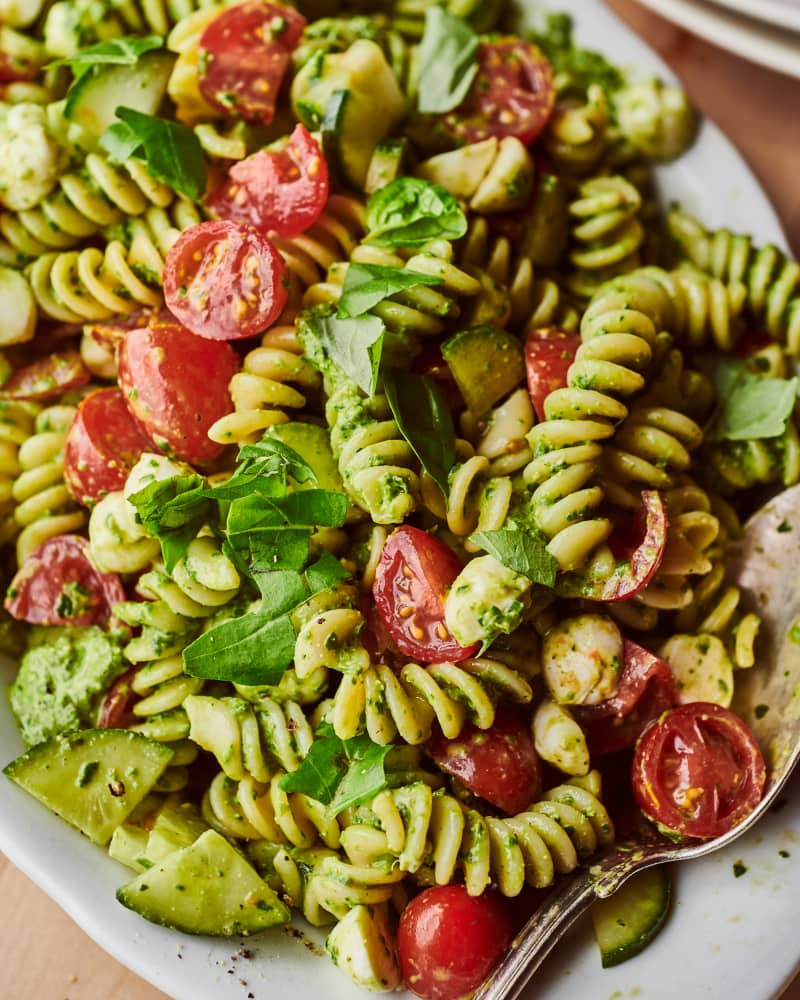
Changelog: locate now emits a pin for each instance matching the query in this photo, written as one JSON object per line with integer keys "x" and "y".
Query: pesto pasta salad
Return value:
{"x": 372, "y": 438}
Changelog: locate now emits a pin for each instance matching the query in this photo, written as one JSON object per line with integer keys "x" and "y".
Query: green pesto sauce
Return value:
{"x": 582, "y": 66}
{"x": 61, "y": 677}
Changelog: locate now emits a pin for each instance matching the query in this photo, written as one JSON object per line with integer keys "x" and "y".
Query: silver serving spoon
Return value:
{"x": 765, "y": 565}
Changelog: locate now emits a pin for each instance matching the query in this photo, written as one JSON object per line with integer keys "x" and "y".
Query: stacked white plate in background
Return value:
{"x": 764, "y": 31}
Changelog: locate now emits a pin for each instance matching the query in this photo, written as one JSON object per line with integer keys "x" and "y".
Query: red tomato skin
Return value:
{"x": 646, "y": 689}
{"x": 513, "y": 94}
{"x": 448, "y": 941}
{"x": 549, "y": 352}
{"x": 224, "y": 280}
{"x": 241, "y": 70}
{"x": 37, "y": 590}
{"x": 176, "y": 386}
{"x": 432, "y": 566}
{"x": 116, "y": 707}
{"x": 14, "y": 69}
{"x": 705, "y": 756}
{"x": 500, "y": 764}
{"x": 47, "y": 379}
{"x": 283, "y": 191}
{"x": 430, "y": 362}
{"x": 103, "y": 444}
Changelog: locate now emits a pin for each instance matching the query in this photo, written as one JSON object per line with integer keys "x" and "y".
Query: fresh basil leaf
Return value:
{"x": 124, "y": 51}
{"x": 316, "y": 508}
{"x": 283, "y": 548}
{"x": 172, "y": 151}
{"x": 326, "y": 572}
{"x": 448, "y": 61}
{"x": 365, "y": 285}
{"x": 355, "y": 345}
{"x": 254, "y": 649}
{"x": 408, "y": 212}
{"x": 340, "y": 773}
{"x": 121, "y": 143}
{"x": 272, "y": 448}
{"x": 522, "y": 551}
{"x": 423, "y": 418}
{"x": 281, "y": 591}
{"x": 173, "y": 511}
{"x": 751, "y": 406}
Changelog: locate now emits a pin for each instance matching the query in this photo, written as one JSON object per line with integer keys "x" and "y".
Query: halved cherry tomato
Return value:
{"x": 176, "y": 386}
{"x": 638, "y": 547}
{"x": 698, "y": 771}
{"x": 646, "y": 688}
{"x": 284, "y": 190}
{"x": 499, "y": 763}
{"x": 549, "y": 352}
{"x": 377, "y": 641}
{"x": 116, "y": 707}
{"x": 513, "y": 93}
{"x": 48, "y": 378}
{"x": 58, "y": 585}
{"x": 413, "y": 575}
{"x": 243, "y": 56}
{"x": 448, "y": 941}
{"x": 224, "y": 280}
{"x": 104, "y": 443}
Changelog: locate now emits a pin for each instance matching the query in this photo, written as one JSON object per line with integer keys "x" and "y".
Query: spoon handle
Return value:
{"x": 551, "y": 921}
{"x": 537, "y": 938}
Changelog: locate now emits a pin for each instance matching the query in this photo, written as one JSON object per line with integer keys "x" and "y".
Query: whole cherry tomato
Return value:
{"x": 448, "y": 941}
{"x": 413, "y": 575}
{"x": 698, "y": 771}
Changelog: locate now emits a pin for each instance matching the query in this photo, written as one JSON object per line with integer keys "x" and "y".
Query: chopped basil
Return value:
{"x": 173, "y": 510}
{"x": 253, "y": 649}
{"x": 365, "y": 285}
{"x": 172, "y": 152}
{"x": 123, "y": 51}
{"x": 340, "y": 773}
{"x": 354, "y": 345}
{"x": 447, "y": 61}
{"x": 409, "y": 212}
{"x": 522, "y": 551}
{"x": 423, "y": 418}
{"x": 751, "y": 406}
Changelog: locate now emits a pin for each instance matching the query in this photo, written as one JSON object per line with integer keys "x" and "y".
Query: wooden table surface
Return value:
{"x": 43, "y": 955}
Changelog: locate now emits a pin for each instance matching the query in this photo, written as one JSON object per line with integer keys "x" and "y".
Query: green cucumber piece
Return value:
{"x": 175, "y": 827}
{"x": 94, "y": 778}
{"x": 128, "y": 845}
{"x": 627, "y": 922}
{"x": 312, "y": 443}
{"x": 93, "y": 99}
{"x": 206, "y": 888}
{"x": 487, "y": 364}
{"x": 386, "y": 164}
{"x": 546, "y": 231}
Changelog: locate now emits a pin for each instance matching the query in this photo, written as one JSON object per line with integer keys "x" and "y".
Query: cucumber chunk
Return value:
{"x": 93, "y": 779}
{"x": 93, "y": 100}
{"x": 207, "y": 888}
{"x": 312, "y": 443}
{"x": 627, "y": 922}
{"x": 486, "y": 362}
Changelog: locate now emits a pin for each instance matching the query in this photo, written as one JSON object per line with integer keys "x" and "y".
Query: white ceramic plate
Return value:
{"x": 727, "y": 937}
{"x": 780, "y": 13}
{"x": 763, "y": 43}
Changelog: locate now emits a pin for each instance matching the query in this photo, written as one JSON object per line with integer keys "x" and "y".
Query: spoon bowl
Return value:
{"x": 765, "y": 565}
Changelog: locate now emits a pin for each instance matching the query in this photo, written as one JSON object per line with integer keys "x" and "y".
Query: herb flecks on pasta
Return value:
{"x": 458, "y": 507}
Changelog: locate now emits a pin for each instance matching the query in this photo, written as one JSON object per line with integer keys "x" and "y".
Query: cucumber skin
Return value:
{"x": 658, "y": 888}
